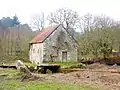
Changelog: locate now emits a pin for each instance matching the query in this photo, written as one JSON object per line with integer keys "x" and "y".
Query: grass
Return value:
{"x": 10, "y": 72}
{"x": 30, "y": 64}
{"x": 13, "y": 84}
{"x": 36, "y": 85}
{"x": 62, "y": 64}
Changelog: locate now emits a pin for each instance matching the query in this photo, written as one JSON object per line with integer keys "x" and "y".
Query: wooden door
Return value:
{"x": 64, "y": 56}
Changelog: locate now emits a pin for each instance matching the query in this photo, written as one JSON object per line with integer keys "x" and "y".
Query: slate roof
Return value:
{"x": 43, "y": 34}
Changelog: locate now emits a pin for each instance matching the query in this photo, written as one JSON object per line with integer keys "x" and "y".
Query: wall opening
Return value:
{"x": 64, "y": 56}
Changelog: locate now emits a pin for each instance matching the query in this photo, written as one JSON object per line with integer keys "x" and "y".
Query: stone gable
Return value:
{"x": 58, "y": 43}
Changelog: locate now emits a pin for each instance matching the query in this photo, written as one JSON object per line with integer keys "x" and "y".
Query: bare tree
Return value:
{"x": 87, "y": 22}
{"x": 91, "y": 22}
{"x": 65, "y": 16}
{"x": 103, "y": 22}
{"x": 38, "y": 21}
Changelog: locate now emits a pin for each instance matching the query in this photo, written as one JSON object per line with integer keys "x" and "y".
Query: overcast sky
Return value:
{"x": 25, "y": 9}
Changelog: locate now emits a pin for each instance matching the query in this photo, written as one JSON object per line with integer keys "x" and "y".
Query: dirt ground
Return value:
{"x": 98, "y": 75}
{"x": 100, "y": 78}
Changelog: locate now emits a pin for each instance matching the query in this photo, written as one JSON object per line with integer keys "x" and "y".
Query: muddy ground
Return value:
{"x": 100, "y": 76}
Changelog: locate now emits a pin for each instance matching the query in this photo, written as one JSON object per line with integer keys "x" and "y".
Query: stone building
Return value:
{"x": 54, "y": 43}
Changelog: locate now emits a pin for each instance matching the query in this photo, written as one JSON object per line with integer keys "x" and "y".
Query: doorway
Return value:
{"x": 64, "y": 56}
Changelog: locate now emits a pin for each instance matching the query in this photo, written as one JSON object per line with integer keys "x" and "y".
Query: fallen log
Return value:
{"x": 23, "y": 68}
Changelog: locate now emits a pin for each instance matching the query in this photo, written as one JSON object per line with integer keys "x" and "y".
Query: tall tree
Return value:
{"x": 87, "y": 22}
{"x": 38, "y": 21}
{"x": 65, "y": 16}
{"x": 15, "y": 20}
{"x": 99, "y": 35}
{"x": 6, "y": 22}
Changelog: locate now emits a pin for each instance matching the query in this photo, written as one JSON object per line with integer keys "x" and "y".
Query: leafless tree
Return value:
{"x": 103, "y": 22}
{"x": 65, "y": 16}
{"x": 87, "y": 22}
{"x": 38, "y": 21}
{"x": 91, "y": 22}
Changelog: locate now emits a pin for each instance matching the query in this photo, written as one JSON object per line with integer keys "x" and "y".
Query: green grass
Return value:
{"x": 10, "y": 72}
{"x": 13, "y": 84}
{"x": 30, "y": 64}
{"x": 36, "y": 85}
{"x": 64, "y": 64}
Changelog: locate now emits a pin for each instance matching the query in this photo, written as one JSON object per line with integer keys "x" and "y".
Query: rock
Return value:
{"x": 48, "y": 71}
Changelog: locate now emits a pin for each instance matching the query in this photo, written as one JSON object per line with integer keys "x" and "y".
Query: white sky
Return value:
{"x": 25, "y": 9}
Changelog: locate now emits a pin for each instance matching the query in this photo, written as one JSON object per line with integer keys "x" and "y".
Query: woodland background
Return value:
{"x": 98, "y": 36}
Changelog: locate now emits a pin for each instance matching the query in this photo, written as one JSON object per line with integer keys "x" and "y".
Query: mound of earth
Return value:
{"x": 97, "y": 66}
{"x": 107, "y": 80}
{"x": 108, "y": 61}
{"x": 101, "y": 66}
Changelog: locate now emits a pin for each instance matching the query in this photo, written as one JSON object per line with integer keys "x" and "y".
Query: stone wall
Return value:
{"x": 59, "y": 41}
{"x": 36, "y": 53}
